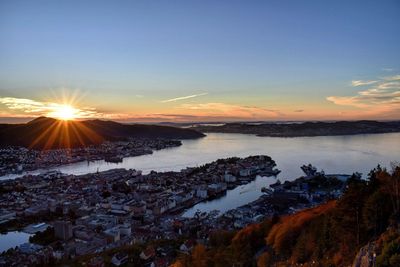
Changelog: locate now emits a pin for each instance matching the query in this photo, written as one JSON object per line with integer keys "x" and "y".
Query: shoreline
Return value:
{"x": 305, "y": 129}
{"x": 299, "y": 136}
{"x": 73, "y": 156}
{"x": 197, "y": 175}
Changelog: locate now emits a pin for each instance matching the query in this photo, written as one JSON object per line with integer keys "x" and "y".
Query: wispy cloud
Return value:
{"x": 182, "y": 98}
{"x": 382, "y": 96}
{"x": 392, "y": 78}
{"x": 346, "y": 101}
{"x": 37, "y": 108}
{"x": 388, "y": 69}
{"x": 362, "y": 83}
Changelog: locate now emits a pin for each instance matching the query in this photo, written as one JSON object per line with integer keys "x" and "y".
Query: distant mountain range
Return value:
{"x": 305, "y": 128}
{"x": 48, "y": 133}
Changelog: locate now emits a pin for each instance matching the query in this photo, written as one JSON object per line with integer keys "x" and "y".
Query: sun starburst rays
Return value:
{"x": 66, "y": 134}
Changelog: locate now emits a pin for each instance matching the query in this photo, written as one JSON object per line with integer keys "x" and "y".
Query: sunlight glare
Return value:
{"x": 64, "y": 112}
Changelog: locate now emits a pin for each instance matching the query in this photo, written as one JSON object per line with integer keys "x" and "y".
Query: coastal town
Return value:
{"x": 14, "y": 160}
{"x": 70, "y": 217}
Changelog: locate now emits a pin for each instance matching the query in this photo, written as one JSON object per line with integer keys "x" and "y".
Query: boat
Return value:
{"x": 276, "y": 185}
{"x": 266, "y": 190}
{"x": 273, "y": 172}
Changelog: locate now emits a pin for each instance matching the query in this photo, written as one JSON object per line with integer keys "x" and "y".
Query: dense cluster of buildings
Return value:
{"x": 288, "y": 197}
{"x": 282, "y": 198}
{"x": 102, "y": 211}
{"x": 19, "y": 159}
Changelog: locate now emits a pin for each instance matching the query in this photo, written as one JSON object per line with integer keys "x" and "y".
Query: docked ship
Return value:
{"x": 311, "y": 171}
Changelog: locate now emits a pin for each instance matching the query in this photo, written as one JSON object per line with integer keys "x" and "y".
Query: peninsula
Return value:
{"x": 304, "y": 128}
{"x": 47, "y": 133}
{"x": 45, "y": 142}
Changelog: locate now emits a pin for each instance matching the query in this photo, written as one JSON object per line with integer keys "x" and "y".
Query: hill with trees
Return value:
{"x": 362, "y": 227}
{"x": 48, "y": 133}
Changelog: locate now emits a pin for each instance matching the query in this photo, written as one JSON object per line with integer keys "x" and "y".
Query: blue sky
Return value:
{"x": 238, "y": 59}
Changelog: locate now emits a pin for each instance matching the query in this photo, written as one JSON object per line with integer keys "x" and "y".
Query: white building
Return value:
{"x": 229, "y": 178}
{"x": 202, "y": 192}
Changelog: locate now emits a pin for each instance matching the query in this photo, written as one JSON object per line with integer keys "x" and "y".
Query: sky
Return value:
{"x": 150, "y": 61}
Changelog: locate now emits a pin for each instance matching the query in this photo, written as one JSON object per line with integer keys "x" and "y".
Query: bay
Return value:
{"x": 333, "y": 154}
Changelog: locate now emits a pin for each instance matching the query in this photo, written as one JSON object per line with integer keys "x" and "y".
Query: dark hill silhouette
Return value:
{"x": 306, "y": 128}
{"x": 49, "y": 133}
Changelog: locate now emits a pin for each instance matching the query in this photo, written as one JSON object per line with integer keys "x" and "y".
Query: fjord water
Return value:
{"x": 333, "y": 154}
{"x": 12, "y": 240}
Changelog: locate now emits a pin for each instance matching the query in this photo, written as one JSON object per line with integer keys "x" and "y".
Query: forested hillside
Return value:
{"x": 332, "y": 234}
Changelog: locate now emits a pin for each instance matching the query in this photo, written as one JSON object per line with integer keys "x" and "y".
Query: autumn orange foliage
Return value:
{"x": 330, "y": 234}
{"x": 289, "y": 227}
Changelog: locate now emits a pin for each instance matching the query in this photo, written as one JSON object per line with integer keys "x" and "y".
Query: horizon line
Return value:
{"x": 22, "y": 120}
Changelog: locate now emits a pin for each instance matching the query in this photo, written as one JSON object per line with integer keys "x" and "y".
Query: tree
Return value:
{"x": 395, "y": 260}
{"x": 44, "y": 238}
{"x": 300, "y": 253}
{"x": 391, "y": 186}
{"x": 199, "y": 256}
{"x": 348, "y": 215}
{"x": 221, "y": 238}
{"x": 178, "y": 263}
{"x": 264, "y": 260}
{"x": 376, "y": 212}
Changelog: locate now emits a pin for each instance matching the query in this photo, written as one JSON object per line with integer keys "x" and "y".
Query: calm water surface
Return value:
{"x": 333, "y": 154}
{"x": 12, "y": 239}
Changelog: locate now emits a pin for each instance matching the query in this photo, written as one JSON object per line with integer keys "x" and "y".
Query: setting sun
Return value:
{"x": 64, "y": 112}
